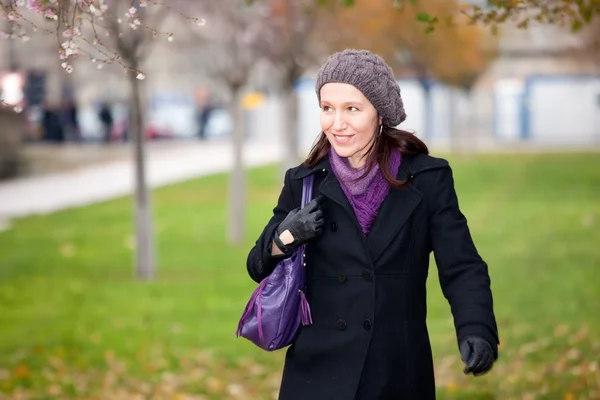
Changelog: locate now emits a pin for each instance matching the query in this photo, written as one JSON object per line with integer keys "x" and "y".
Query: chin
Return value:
{"x": 344, "y": 151}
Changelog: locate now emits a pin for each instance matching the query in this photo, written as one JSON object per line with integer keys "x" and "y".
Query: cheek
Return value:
{"x": 366, "y": 137}
{"x": 365, "y": 129}
{"x": 326, "y": 121}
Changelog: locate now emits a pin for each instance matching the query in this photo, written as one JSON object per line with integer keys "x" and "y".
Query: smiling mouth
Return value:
{"x": 342, "y": 138}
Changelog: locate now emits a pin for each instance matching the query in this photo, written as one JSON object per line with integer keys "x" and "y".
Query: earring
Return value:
{"x": 380, "y": 129}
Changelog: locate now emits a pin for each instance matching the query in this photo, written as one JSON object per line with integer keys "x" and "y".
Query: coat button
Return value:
{"x": 367, "y": 324}
{"x": 342, "y": 278}
{"x": 341, "y": 325}
{"x": 368, "y": 276}
{"x": 334, "y": 226}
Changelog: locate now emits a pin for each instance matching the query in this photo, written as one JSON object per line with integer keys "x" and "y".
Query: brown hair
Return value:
{"x": 379, "y": 152}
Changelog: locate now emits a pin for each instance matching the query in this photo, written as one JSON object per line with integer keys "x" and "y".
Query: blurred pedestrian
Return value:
{"x": 69, "y": 120}
{"x": 52, "y": 124}
{"x": 383, "y": 205}
{"x": 205, "y": 108}
{"x": 106, "y": 119}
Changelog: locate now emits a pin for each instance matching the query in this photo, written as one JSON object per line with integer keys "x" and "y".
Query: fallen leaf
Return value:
{"x": 588, "y": 220}
{"x": 67, "y": 250}
{"x": 22, "y": 371}
{"x": 214, "y": 385}
{"x": 573, "y": 354}
{"x": 561, "y": 330}
{"x": 5, "y": 225}
{"x": 580, "y": 335}
{"x": 235, "y": 389}
{"x": 176, "y": 328}
{"x": 129, "y": 242}
{"x": 54, "y": 390}
{"x": 95, "y": 338}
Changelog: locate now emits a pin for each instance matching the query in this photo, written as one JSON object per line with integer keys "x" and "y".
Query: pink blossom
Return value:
{"x": 48, "y": 13}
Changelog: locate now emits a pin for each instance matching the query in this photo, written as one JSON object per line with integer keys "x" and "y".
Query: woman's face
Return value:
{"x": 348, "y": 120}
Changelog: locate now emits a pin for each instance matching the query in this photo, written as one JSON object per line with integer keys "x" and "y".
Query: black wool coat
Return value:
{"x": 367, "y": 294}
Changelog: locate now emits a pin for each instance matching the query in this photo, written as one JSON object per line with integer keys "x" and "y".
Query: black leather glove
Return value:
{"x": 477, "y": 354}
{"x": 303, "y": 224}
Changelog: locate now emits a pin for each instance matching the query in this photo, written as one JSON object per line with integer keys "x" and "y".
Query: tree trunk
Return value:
{"x": 471, "y": 125}
{"x": 11, "y": 126}
{"x": 237, "y": 190}
{"x": 145, "y": 261}
{"x": 428, "y": 100}
{"x": 12, "y": 49}
{"x": 291, "y": 156}
{"x": 454, "y": 134}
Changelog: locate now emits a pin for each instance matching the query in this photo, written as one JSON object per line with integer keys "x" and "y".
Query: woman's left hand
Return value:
{"x": 477, "y": 354}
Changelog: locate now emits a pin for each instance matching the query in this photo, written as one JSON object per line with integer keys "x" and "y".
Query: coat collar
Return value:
{"x": 409, "y": 167}
{"x": 395, "y": 210}
{"x": 323, "y": 165}
{"x": 303, "y": 171}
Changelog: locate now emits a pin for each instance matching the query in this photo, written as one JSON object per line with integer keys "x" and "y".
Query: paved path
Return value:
{"x": 49, "y": 193}
{"x": 167, "y": 163}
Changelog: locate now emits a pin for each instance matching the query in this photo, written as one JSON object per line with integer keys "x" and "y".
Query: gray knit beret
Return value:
{"x": 371, "y": 75}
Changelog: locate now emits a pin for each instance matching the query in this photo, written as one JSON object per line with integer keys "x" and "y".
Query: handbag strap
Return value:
{"x": 307, "y": 188}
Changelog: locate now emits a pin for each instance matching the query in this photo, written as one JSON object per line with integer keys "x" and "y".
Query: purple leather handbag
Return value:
{"x": 278, "y": 305}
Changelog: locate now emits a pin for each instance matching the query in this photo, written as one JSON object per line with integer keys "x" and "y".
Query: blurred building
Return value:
{"x": 544, "y": 89}
{"x": 172, "y": 72}
{"x": 536, "y": 91}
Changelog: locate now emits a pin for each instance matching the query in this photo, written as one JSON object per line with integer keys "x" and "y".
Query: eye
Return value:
{"x": 352, "y": 108}
{"x": 326, "y": 108}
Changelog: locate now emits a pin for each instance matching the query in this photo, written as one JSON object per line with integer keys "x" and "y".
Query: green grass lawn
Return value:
{"x": 74, "y": 323}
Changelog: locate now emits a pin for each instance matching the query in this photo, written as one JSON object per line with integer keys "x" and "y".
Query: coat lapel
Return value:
{"x": 395, "y": 210}
{"x": 330, "y": 188}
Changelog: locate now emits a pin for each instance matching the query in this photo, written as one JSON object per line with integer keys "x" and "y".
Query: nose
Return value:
{"x": 338, "y": 122}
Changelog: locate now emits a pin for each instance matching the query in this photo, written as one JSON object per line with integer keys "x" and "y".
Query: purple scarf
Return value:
{"x": 367, "y": 194}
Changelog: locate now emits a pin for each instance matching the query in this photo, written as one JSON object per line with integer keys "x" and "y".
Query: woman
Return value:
{"x": 382, "y": 206}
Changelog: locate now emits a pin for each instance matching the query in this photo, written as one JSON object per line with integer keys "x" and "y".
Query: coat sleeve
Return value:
{"x": 260, "y": 262}
{"x": 464, "y": 277}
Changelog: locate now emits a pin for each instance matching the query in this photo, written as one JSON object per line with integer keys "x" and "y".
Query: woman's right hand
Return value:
{"x": 302, "y": 224}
